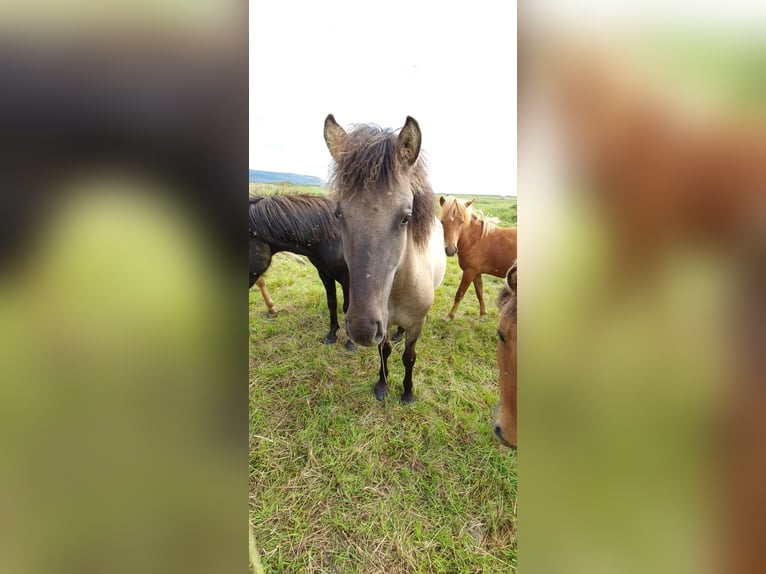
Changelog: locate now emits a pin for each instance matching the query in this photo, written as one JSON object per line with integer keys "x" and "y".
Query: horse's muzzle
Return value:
{"x": 450, "y": 250}
{"x": 365, "y": 332}
{"x": 497, "y": 430}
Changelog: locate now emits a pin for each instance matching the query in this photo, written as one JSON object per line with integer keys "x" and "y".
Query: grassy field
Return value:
{"x": 342, "y": 483}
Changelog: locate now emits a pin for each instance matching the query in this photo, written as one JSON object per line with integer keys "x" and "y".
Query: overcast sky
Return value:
{"x": 451, "y": 65}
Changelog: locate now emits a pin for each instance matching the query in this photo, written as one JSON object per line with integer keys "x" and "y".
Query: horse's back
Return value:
{"x": 498, "y": 251}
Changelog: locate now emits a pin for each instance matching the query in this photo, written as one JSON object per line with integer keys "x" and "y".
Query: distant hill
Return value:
{"x": 257, "y": 176}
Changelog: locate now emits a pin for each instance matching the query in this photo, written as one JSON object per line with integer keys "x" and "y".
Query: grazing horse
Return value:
{"x": 504, "y": 416}
{"x": 302, "y": 224}
{"x": 391, "y": 238}
{"x": 480, "y": 246}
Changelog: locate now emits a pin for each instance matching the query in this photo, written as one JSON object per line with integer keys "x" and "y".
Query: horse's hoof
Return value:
{"x": 407, "y": 398}
{"x": 329, "y": 340}
{"x": 350, "y": 346}
{"x": 271, "y": 314}
{"x": 449, "y": 317}
{"x": 482, "y": 318}
{"x": 380, "y": 393}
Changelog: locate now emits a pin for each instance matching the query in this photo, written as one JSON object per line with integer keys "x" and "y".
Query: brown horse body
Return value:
{"x": 480, "y": 246}
{"x": 504, "y": 418}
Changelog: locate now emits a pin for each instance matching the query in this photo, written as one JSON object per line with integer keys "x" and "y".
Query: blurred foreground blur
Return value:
{"x": 642, "y": 331}
{"x": 123, "y": 355}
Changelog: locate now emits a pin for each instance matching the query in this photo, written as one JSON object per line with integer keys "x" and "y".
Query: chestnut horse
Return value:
{"x": 504, "y": 416}
{"x": 392, "y": 241}
{"x": 480, "y": 246}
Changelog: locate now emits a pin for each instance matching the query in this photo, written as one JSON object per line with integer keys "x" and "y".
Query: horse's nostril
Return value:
{"x": 498, "y": 431}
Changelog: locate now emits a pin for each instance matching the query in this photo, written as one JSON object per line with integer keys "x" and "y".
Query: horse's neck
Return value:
{"x": 416, "y": 257}
{"x": 422, "y": 267}
{"x": 470, "y": 233}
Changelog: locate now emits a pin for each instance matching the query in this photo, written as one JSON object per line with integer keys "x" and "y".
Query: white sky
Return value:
{"x": 711, "y": 16}
{"x": 450, "y": 65}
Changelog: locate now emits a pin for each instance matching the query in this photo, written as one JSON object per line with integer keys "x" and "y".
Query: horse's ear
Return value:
{"x": 441, "y": 200}
{"x": 469, "y": 203}
{"x": 408, "y": 144}
{"x": 510, "y": 278}
{"x": 335, "y": 136}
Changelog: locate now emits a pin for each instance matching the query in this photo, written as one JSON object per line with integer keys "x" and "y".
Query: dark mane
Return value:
{"x": 294, "y": 217}
{"x": 368, "y": 164}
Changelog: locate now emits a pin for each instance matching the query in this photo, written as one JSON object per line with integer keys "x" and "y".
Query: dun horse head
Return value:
{"x": 376, "y": 179}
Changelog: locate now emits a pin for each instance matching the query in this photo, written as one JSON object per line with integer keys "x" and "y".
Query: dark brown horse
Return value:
{"x": 480, "y": 246}
{"x": 303, "y": 224}
{"x": 504, "y": 417}
{"x": 391, "y": 238}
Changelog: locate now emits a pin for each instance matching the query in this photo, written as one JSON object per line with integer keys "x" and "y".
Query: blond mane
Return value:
{"x": 453, "y": 207}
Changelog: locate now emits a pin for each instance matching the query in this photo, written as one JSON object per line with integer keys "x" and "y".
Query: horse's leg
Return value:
{"x": 478, "y": 286}
{"x": 266, "y": 297}
{"x": 464, "y": 283}
{"x": 332, "y": 305}
{"x": 344, "y": 287}
{"x": 398, "y": 335}
{"x": 408, "y": 359}
{"x": 381, "y": 387}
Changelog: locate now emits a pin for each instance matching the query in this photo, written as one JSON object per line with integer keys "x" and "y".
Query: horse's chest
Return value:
{"x": 411, "y": 298}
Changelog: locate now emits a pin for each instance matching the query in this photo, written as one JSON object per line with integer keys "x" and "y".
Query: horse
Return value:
{"x": 392, "y": 241}
{"x": 302, "y": 224}
{"x": 504, "y": 415}
{"x": 480, "y": 246}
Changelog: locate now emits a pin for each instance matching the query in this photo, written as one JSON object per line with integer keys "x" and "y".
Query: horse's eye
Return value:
{"x": 406, "y": 219}
{"x": 338, "y": 213}
{"x": 501, "y": 337}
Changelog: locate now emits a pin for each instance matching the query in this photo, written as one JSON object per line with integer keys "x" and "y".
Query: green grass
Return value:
{"x": 340, "y": 482}
{"x": 491, "y": 205}
{"x": 283, "y": 187}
